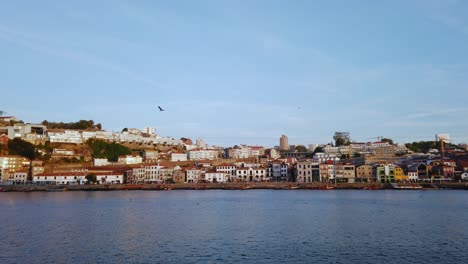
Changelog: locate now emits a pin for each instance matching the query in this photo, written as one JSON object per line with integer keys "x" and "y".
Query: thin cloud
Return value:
{"x": 48, "y": 46}
{"x": 437, "y": 112}
{"x": 451, "y": 13}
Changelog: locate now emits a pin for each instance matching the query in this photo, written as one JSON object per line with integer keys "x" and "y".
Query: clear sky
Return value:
{"x": 235, "y": 72}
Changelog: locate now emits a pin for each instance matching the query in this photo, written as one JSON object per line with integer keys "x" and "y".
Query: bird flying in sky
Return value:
{"x": 160, "y": 109}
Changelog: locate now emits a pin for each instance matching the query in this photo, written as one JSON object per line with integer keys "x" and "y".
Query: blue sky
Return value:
{"x": 241, "y": 72}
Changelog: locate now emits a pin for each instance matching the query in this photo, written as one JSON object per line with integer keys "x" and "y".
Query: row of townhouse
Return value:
{"x": 220, "y": 173}
{"x": 273, "y": 171}
{"x": 79, "y": 137}
{"x": 38, "y": 133}
{"x": 313, "y": 171}
{"x": 70, "y": 178}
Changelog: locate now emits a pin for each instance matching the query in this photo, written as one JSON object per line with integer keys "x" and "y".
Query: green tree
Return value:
{"x": 423, "y": 146}
{"x": 81, "y": 124}
{"x": 125, "y": 129}
{"x": 22, "y": 148}
{"x": 318, "y": 150}
{"x": 390, "y": 141}
{"x": 300, "y": 148}
{"x": 111, "y": 151}
{"x": 357, "y": 155}
{"x": 91, "y": 178}
{"x": 342, "y": 139}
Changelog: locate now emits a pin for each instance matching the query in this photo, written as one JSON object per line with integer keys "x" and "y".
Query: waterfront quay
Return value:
{"x": 234, "y": 186}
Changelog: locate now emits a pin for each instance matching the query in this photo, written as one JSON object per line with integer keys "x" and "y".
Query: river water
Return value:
{"x": 219, "y": 226}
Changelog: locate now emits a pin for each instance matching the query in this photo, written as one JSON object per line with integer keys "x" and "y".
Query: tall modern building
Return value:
{"x": 284, "y": 145}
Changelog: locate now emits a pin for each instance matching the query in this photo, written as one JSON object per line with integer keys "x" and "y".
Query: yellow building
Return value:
{"x": 399, "y": 175}
{"x": 11, "y": 164}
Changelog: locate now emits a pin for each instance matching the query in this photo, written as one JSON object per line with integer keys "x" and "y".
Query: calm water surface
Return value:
{"x": 255, "y": 226}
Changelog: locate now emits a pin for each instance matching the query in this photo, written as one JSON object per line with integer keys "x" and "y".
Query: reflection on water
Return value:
{"x": 256, "y": 226}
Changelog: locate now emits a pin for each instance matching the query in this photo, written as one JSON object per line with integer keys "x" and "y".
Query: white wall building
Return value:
{"x": 193, "y": 175}
{"x": 203, "y": 154}
{"x": 18, "y": 177}
{"x": 101, "y": 162}
{"x": 178, "y": 156}
{"x": 226, "y": 168}
{"x": 109, "y": 177}
{"x": 20, "y": 130}
{"x": 63, "y": 152}
{"x": 308, "y": 171}
{"x": 252, "y": 174}
{"x": 64, "y": 136}
{"x": 413, "y": 175}
{"x": 130, "y": 159}
{"x": 238, "y": 153}
{"x": 216, "y": 177}
{"x": 149, "y": 130}
{"x": 60, "y": 178}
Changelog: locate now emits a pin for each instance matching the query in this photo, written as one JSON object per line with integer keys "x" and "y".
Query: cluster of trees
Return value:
{"x": 342, "y": 139}
{"x": 103, "y": 149}
{"x": 22, "y": 148}
{"x": 82, "y": 124}
{"x": 425, "y": 146}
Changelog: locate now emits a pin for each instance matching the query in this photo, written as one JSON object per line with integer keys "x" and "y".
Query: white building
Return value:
{"x": 63, "y": 152}
{"x": 60, "y": 178}
{"x": 255, "y": 151}
{"x": 178, "y": 156}
{"x": 252, "y": 174}
{"x": 193, "y": 175}
{"x": 86, "y": 135}
{"x": 130, "y": 159}
{"x": 308, "y": 171}
{"x": 413, "y": 175}
{"x": 64, "y": 136}
{"x": 18, "y": 177}
{"x": 149, "y": 130}
{"x": 216, "y": 177}
{"x": 226, "y": 168}
{"x": 78, "y": 177}
{"x": 278, "y": 171}
{"x": 101, "y": 162}
{"x": 20, "y": 130}
{"x": 203, "y": 154}
{"x": 109, "y": 177}
{"x": 238, "y": 153}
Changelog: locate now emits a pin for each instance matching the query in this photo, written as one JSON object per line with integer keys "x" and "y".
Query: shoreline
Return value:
{"x": 234, "y": 186}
